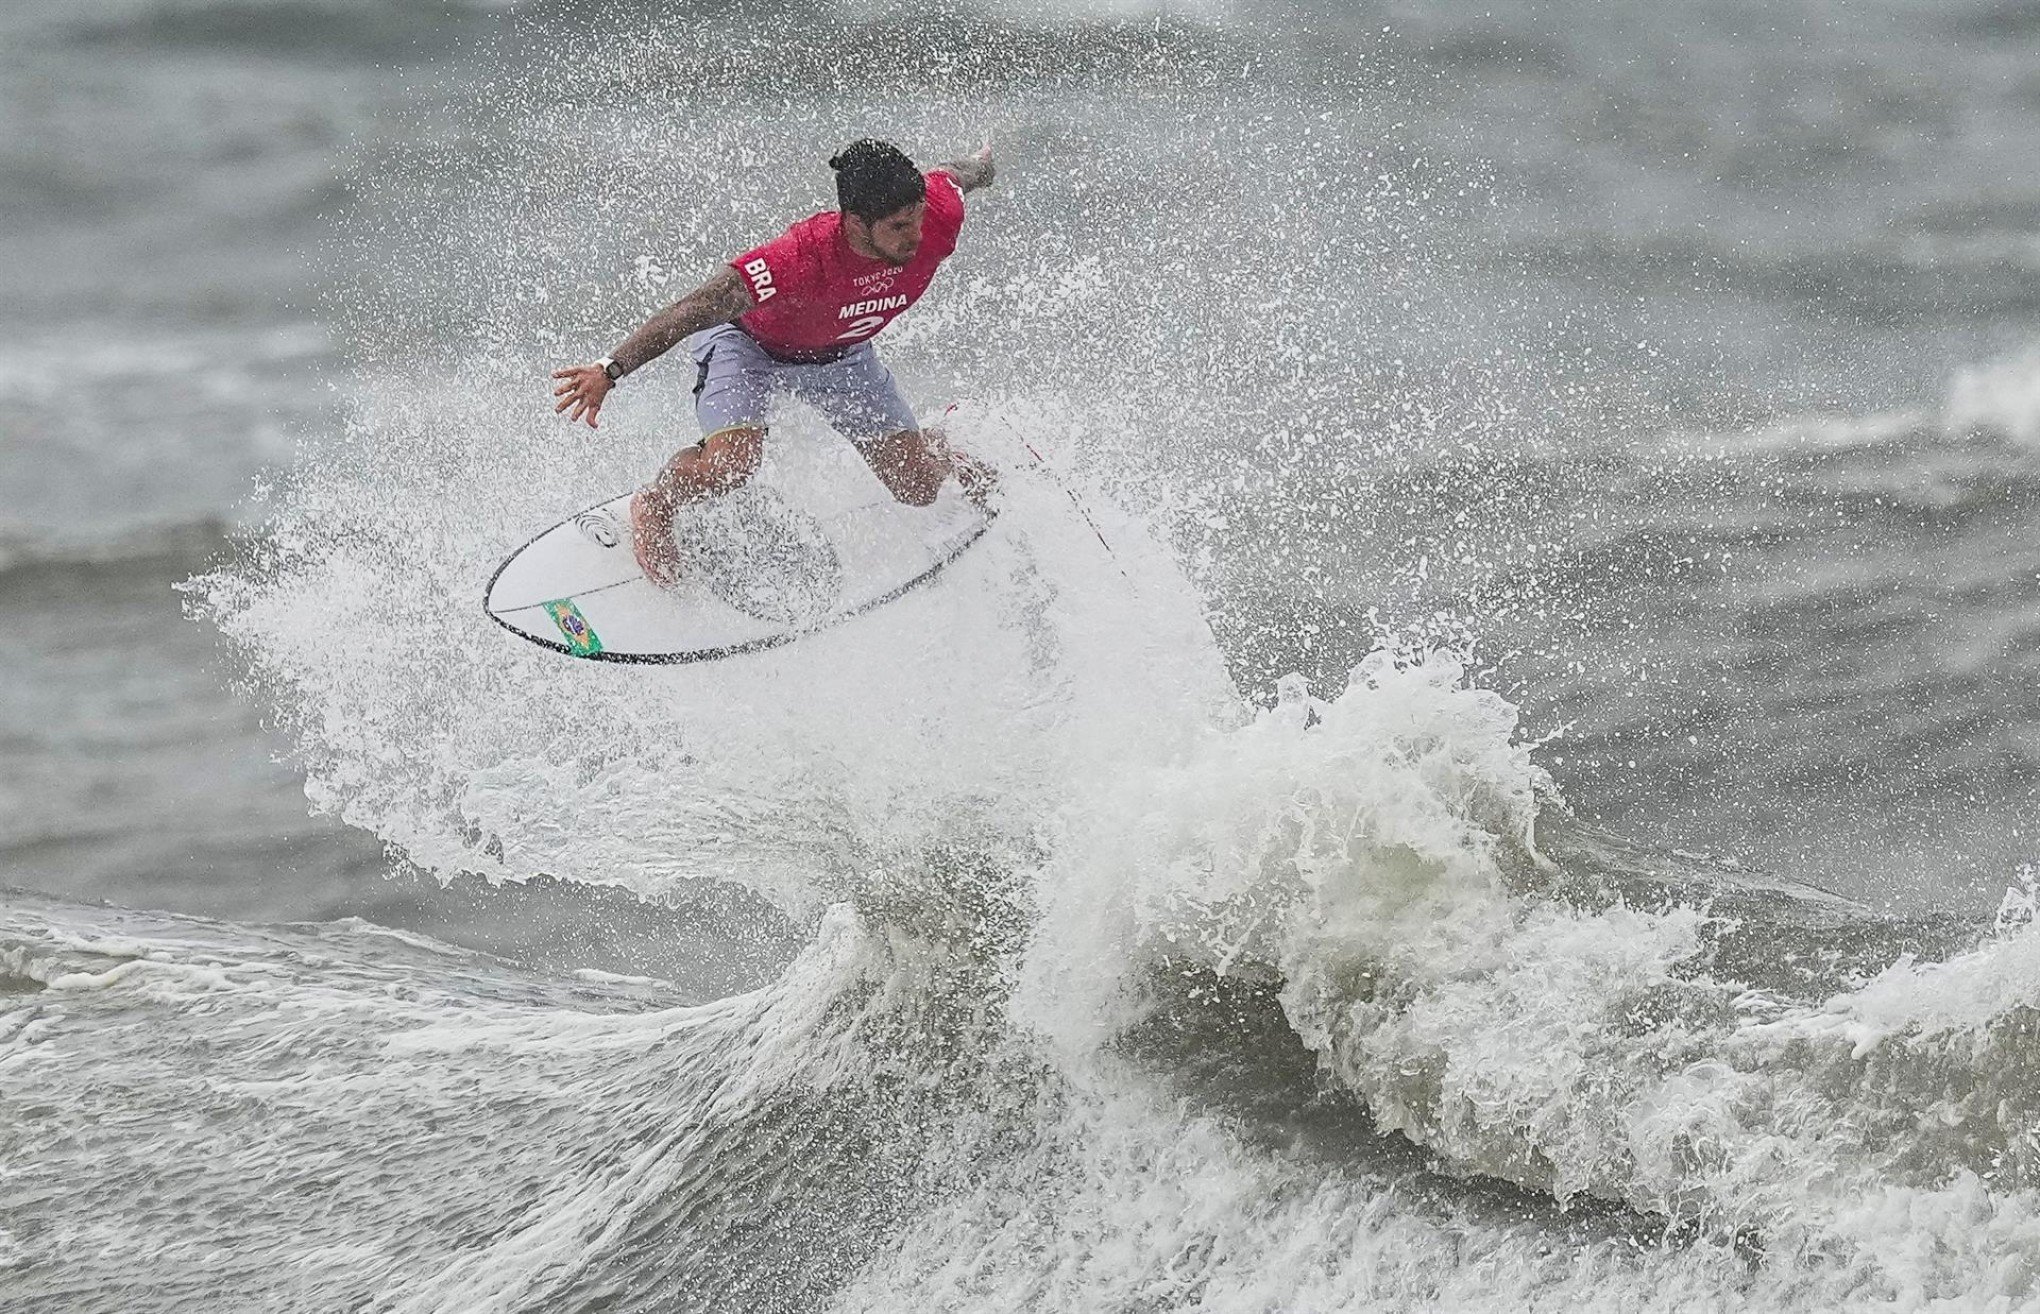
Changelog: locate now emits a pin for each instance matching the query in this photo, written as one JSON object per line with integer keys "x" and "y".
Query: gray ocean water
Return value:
{"x": 1529, "y": 809}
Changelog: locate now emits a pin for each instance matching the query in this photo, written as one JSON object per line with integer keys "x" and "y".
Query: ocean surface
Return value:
{"x": 1529, "y": 806}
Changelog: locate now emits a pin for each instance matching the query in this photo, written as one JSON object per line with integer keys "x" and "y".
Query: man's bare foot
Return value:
{"x": 651, "y": 538}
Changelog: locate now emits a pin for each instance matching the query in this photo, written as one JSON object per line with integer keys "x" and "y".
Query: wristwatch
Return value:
{"x": 610, "y": 368}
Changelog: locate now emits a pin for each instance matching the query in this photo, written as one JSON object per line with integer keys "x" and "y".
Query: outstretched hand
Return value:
{"x": 974, "y": 171}
{"x": 584, "y": 388}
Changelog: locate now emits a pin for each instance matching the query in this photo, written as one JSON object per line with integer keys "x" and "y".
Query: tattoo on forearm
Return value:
{"x": 970, "y": 174}
{"x": 718, "y": 301}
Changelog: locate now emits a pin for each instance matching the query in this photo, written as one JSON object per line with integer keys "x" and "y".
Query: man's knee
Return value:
{"x": 729, "y": 457}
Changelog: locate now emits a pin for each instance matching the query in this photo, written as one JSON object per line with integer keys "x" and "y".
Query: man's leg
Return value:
{"x": 732, "y": 390}
{"x": 860, "y": 398}
{"x": 913, "y": 463}
{"x": 717, "y": 464}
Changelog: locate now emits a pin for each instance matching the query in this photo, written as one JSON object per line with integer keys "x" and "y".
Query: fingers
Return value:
{"x": 571, "y": 392}
{"x": 579, "y": 397}
{"x": 575, "y": 379}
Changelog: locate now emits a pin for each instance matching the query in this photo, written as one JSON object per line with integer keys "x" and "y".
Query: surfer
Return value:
{"x": 796, "y": 316}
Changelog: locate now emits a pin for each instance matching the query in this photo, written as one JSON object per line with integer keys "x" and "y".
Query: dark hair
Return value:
{"x": 874, "y": 179}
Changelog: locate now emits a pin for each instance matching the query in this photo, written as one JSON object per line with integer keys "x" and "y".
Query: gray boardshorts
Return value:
{"x": 737, "y": 382}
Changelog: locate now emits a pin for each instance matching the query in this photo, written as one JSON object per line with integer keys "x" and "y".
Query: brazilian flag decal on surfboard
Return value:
{"x": 581, "y": 636}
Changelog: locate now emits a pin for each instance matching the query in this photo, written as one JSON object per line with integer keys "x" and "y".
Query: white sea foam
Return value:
{"x": 425, "y": 724}
{"x": 2003, "y": 396}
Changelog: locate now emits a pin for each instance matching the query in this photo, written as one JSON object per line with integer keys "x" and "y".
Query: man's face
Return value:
{"x": 897, "y": 236}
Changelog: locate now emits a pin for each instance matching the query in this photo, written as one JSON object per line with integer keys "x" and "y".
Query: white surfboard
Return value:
{"x": 756, "y": 572}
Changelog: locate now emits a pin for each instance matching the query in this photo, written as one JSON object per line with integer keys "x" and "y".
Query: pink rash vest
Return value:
{"x": 813, "y": 297}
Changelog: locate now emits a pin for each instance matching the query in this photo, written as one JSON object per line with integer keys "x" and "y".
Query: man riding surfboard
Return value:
{"x": 796, "y": 316}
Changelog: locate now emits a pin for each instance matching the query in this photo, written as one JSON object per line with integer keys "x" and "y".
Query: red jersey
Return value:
{"x": 813, "y": 296}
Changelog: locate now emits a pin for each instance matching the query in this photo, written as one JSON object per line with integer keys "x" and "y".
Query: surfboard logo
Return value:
{"x": 581, "y": 636}
{"x": 600, "y": 527}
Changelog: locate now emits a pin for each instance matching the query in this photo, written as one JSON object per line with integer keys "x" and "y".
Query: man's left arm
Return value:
{"x": 974, "y": 172}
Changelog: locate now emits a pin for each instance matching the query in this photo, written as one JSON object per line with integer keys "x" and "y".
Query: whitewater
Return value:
{"x": 1094, "y": 985}
{"x": 1233, "y": 1011}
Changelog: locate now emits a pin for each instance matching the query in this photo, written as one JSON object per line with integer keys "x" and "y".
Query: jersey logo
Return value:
{"x": 857, "y": 308}
{"x": 761, "y": 279}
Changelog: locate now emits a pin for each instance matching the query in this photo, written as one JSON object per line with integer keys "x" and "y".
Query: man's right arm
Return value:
{"x": 718, "y": 301}
{"x": 973, "y": 172}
